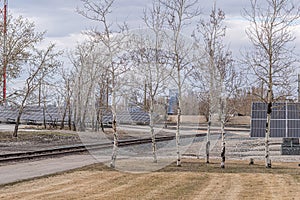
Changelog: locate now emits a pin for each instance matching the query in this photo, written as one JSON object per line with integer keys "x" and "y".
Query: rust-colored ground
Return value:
{"x": 194, "y": 180}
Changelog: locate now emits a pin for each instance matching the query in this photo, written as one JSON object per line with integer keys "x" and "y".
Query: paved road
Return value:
{"x": 26, "y": 170}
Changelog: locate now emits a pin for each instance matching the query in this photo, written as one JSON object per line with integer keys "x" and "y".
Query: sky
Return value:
{"x": 64, "y": 25}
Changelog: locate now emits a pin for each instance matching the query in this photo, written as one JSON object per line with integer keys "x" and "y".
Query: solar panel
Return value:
{"x": 35, "y": 114}
{"x": 31, "y": 114}
{"x": 285, "y": 119}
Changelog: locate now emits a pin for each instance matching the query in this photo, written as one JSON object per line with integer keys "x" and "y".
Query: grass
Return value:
{"x": 192, "y": 179}
{"x": 35, "y": 136}
{"x": 194, "y": 165}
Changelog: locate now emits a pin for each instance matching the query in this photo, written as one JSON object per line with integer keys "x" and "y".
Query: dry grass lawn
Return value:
{"x": 194, "y": 180}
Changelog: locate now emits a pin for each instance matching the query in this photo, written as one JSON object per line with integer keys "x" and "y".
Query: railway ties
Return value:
{"x": 46, "y": 153}
{"x": 74, "y": 149}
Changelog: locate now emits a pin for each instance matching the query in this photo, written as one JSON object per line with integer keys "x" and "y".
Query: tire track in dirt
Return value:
{"x": 155, "y": 186}
{"x": 220, "y": 186}
{"x": 234, "y": 186}
{"x": 281, "y": 187}
{"x": 254, "y": 187}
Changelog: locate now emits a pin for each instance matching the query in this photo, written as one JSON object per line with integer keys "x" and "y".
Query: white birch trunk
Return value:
{"x": 178, "y": 137}
{"x": 114, "y": 122}
{"x": 223, "y": 113}
{"x": 211, "y": 101}
{"x": 178, "y": 121}
{"x": 152, "y": 131}
{"x": 207, "y": 149}
{"x": 267, "y": 150}
{"x": 223, "y": 143}
{"x": 268, "y": 131}
{"x": 114, "y": 126}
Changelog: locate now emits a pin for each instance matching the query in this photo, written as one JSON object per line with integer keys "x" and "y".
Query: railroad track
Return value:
{"x": 74, "y": 149}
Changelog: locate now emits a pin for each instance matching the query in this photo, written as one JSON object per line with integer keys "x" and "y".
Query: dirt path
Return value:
{"x": 106, "y": 184}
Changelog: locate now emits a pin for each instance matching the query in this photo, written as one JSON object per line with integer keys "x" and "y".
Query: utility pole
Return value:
{"x": 4, "y": 13}
{"x": 298, "y": 87}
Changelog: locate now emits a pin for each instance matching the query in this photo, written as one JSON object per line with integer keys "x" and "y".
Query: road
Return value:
{"x": 31, "y": 169}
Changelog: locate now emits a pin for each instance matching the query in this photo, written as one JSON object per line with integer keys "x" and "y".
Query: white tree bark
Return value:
{"x": 223, "y": 121}
{"x": 88, "y": 67}
{"x": 114, "y": 125}
{"x": 178, "y": 121}
{"x": 223, "y": 144}
{"x": 211, "y": 97}
{"x": 268, "y": 131}
{"x": 207, "y": 146}
{"x": 151, "y": 113}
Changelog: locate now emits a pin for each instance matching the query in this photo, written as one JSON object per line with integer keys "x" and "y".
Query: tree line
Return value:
{"x": 116, "y": 63}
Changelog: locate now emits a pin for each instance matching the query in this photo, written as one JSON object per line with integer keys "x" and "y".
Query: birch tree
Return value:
{"x": 150, "y": 60}
{"x": 271, "y": 59}
{"x": 179, "y": 14}
{"x": 42, "y": 63}
{"x": 218, "y": 76}
{"x": 99, "y": 11}
{"x": 228, "y": 82}
{"x": 87, "y": 63}
{"x": 212, "y": 31}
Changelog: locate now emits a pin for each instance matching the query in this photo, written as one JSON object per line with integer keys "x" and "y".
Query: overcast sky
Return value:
{"x": 64, "y": 25}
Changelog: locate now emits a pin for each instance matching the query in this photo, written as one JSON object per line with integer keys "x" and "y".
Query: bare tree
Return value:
{"x": 228, "y": 81}
{"x": 66, "y": 94}
{"x": 179, "y": 14}
{"x": 88, "y": 64}
{"x": 217, "y": 74}
{"x": 98, "y": 11}
{"x": 272, "y": 60}
{"x": 103, "y": 91}
{"x": 21, "y": 37}
{"x": 212, "y": 32}
{"x": 150, "y": 56}
{"x": 42, "y": 63}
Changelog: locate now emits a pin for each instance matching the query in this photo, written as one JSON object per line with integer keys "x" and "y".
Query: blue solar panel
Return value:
{"x": 285, "y": 120}
{"x": 35, "y": 114}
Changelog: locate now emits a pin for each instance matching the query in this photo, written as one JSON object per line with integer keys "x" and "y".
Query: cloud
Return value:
{"x": 58, "y": 18}
{"x": 64, "y": 25}
{"x": 235, "y": 35}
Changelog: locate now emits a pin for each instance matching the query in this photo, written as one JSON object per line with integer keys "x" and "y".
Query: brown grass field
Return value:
{"x": 194, "y": 180}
